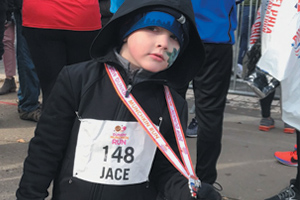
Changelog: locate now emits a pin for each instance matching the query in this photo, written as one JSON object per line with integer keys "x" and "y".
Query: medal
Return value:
{"x": 194, "y": 185}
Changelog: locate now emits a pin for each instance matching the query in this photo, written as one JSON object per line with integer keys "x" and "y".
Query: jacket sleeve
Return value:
{"x": 169, "y": 182}
{"x": 47, "y": 147}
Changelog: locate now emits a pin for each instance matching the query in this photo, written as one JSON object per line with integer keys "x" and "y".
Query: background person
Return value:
{"x": 59, "y": 33}
{"x": 285, "y": 68}
{"x": 9, "y": 56}
{"x": 216, "y": 26}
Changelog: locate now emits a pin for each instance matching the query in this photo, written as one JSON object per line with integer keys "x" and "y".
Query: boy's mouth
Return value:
{"x": 157, "y": 56}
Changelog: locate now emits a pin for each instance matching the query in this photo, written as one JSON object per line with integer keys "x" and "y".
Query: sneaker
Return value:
{"x": 8, "y": 86}
{"x": 31, "y": 116}
{"x": 289, "y": 193}
{"x": 289, "y": 158}
{"x": 288, "y": 128}
{"x": 266, "y": 124}
{"x": 191, "y": 131}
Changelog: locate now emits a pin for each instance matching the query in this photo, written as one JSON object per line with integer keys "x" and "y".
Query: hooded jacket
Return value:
{"x": 84, "y": 91}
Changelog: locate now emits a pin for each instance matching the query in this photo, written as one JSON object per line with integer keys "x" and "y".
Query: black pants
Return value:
{"x": 265, "y": 105}
{"x": 51, "y": 50}
{"x": 210, "y": 89}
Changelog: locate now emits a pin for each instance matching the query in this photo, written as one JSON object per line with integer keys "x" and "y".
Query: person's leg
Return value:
{"x": 51, "y": 50}
{"x": 9, "y": 56}
{"x": 9, "y": 59}
{"x": 2, "y": 22}
{"x": 265, "y": 105}
{"x": 29, "y": 90}
{"x": 48, "y": 53}
{"x": 210, "y": 89}
{"x": 267, "y": 122}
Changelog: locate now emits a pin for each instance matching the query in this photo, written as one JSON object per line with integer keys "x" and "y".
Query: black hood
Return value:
{"x": 189, "y": 61}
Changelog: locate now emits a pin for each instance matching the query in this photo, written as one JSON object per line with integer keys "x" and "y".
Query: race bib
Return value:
{"x": 113, "y": 152}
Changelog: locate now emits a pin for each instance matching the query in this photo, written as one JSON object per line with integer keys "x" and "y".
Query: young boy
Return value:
{"x": 94, "y": 137}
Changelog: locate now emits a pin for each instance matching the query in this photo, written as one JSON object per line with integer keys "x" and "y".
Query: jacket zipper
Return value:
{"x": 128, "y": 91}
{"x": 160, "y": 122}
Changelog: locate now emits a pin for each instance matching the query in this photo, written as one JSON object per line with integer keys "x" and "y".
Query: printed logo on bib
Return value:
{"x": 113, "y": 152}
{"x": 119, "y": 137}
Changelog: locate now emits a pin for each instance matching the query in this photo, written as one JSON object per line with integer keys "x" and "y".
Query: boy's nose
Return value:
{"x": 163, "y": 41}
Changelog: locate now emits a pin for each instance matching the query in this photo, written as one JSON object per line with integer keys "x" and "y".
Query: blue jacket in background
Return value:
{"x": 115, "y": 4}
{"x": 216, "y": 20}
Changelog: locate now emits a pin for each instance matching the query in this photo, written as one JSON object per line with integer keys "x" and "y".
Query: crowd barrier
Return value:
{"x": 237, "y": 85}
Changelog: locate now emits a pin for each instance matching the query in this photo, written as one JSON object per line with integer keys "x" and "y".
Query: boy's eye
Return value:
{"x": 158, "y": 29}
{"x": 152, "y": 28}
{"x": 174, "y": 37}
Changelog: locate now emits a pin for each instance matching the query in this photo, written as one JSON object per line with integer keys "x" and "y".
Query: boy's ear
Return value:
{"x": 125, "y": 39}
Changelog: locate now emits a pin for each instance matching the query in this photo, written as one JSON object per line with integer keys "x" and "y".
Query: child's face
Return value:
{"x": 150, "y": 48}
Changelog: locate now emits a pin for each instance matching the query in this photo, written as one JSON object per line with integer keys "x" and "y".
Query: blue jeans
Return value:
{"x": 244, "y": 31}
{"x": 29, "y": 90}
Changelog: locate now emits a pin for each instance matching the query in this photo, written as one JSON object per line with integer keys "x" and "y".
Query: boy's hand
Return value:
{"x": 207, "y": 192}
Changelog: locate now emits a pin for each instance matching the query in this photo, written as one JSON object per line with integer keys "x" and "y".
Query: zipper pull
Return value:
{"x": 160, "y": 122}
{"x": 129, "y": 88}
{"x": 78, "y": 116}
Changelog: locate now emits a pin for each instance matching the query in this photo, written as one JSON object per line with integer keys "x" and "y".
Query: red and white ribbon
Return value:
{"x": 185, "y": 168}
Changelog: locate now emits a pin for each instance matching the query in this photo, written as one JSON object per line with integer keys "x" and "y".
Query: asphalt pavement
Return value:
{"x": 247, "y": 169}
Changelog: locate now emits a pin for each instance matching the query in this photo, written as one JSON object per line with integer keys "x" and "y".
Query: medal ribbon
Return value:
{"x": 181, "y": 142}
{"x": 136, "y": 110}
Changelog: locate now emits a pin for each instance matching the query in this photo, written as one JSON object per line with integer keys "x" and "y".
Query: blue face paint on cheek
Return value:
{"x": 172, "y": 56}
